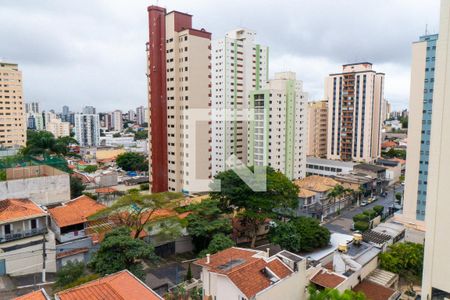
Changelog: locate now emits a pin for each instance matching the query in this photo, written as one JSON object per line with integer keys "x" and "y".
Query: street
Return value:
{"x": 343, "y": 222}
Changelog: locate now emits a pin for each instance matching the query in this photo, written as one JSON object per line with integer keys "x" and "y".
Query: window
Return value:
{"x": 7, "y": 229}
{"x": 33, "y": 224}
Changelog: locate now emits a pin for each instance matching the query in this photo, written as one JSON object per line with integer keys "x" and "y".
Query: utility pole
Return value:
{"x": 44, "y": 256}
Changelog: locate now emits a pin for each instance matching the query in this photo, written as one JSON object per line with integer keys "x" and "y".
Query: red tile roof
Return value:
{"x": 374, "y": 291}
{"x": 388, "y": 144}
{"x": 36, "y": 295}
{"x": 327, "y": 280}
{"x": 75, "y": 211}
{"x": 249, "y": 268}
{"x": 71, "y": 252}
{"x": 118, "y": 286}
{"x": 106, "y": 190}
{"x": 19, "y": 209}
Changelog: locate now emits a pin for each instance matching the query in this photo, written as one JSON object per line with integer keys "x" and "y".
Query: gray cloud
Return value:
{"x": 93, "y": 51}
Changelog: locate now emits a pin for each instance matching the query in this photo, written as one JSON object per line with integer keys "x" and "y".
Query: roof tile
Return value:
{"x": 17, "y": 209}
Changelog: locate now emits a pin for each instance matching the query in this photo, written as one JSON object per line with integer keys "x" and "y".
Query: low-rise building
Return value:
{"x": 23, "y": 235}
{"x": 69, "y": 222}
{"x": 373, "y": 171}
{"x": 36, "y": 295}
{"x": 42, "y": 184}
{"x": 327, "y": 167}
{"x": 237, "y": 273}
{"x": 120, "y": 285}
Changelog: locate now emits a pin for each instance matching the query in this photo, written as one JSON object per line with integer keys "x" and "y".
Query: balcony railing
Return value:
{"x": 23, "y": 234}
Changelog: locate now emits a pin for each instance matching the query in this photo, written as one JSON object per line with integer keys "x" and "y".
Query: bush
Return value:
{"x": 68, "y": 274}
{"x": 81, "y": 280}
{"x": 405, "y": 259}
{"x": 378, "y": 209}
{"x": 370, "y": 213}
{"x": 361, "y": 218}
{"x": 144, "y": 186}
{"x": 218, "y": 243}
{"x": 398, "y": 196}
{"x": 90, "y": 169}
{"x": 361, "y": 226}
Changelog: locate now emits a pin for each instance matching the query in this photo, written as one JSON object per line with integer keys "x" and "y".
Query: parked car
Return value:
{"x": 383, "y": 194}
{"x": 364, "y": 203}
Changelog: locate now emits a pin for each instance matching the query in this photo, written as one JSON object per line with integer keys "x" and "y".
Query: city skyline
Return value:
{"x": 120, "y": 38}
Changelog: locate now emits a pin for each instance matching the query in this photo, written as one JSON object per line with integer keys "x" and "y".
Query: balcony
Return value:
{"x": 21, "y": 235}
{"x": 69, "y": 236}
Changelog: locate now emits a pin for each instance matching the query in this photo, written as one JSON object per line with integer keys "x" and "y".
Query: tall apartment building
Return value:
{"x": 354, "y": 113}
{"x": 12, "y": 115}
{"x": 436, "y": 271}
{"x": 58, "y": 128}
{"x": 89, "y": 110}
{"x": 239, "y": 65}
{"x": 140, "y": 115}
{"x": 87, "y": 129}
{"x": 117, "y": 121}
{"x": 179, "y": 92}
{"x": 277, "y": 129}
{"x": 131, "y": 115}
{"x": 419, "y": 128}
{"x": 317, "y": 128}
{"x": 32, "y": 107}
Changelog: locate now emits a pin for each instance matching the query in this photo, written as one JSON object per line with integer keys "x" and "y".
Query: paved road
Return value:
{"x": 343, "y": 223}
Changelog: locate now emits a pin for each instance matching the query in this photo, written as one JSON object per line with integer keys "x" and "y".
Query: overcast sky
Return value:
{"x": 92, "y": 52}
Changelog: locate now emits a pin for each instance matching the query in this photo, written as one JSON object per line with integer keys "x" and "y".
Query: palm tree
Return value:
{"x": 337, "y": 192}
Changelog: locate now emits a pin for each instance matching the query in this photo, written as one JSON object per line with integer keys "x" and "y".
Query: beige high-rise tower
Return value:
{"x": 12, "y": 112}
{"x": 317, "y": 128}
{"x": 436, "y": 273}
{"x": 355, "y": 99}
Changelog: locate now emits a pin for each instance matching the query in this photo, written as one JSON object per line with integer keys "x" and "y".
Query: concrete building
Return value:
{"x": 317, "y": 128}
{"x": 140, "y": 115}
{"x": 89, "y": 110}
{"x": 13, "y": 131}
{"x": 436, "y": 272}
{"x": 354, "y": 98}
{"x": 131, "y": 115}
{"x": 87, "y": 130}
{"x": 327, "y": 167}
{"x": 419, "y": 128}
{"x": 23, "y": 226}
{"x": 58, "y": 128}
{"x": 179, "y": 101}
{"x": 42, "y": 184}
{"x": 238, "y": 66}
{"x": 35, "y": 121}
{"x": 277, "y": 128}
{"x": 32, "y": 107}
{"x": 116, "y": 120}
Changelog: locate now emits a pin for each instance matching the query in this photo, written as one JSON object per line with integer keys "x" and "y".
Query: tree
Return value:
{"x": 398, "y": 197}
{"x": 120, "y": 251}
{"x": 333, "y": 294}
{"x": 378, "y": 209}
{"x": 116, "y": 135}
{"x": 76, "y": 187}
{"x": 205, "y": 221}
{"x": 135, "y": 211}
{"x": 69, "y": 274}
{"x": 144, "y": 186}
{"x": 131, "y": 161}
{"x": 44, "y": 143}
{"x": 218, "y": 243}
{"x": 189, "y": 273}
{"x": 405, "y": 259}
{"x": 300, "y": 234}
{"x": 90, "y": 169}
{"x": 254, "y": 208}
{"x": 141, "y": 135}
{"x": 337, "y": 192}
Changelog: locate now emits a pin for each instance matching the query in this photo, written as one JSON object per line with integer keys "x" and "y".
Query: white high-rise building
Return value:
{"x": 117, "y": 122}
{"x": 238, "y": 66}
{"x": 58, "y": 128}
{"x": 32, "y": 107}
{"x": 89, "y": 110}
{"x": 87, "y": 129}
{"x": 131, "y": 115}
{"x": 140, "y": 115}
{"x": 436, "y": 271}
{"x": 277, "y": 134}
{"x": 355, "y": 99}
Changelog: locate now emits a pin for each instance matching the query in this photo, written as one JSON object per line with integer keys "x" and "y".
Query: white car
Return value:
{"x": 364, "y": 203}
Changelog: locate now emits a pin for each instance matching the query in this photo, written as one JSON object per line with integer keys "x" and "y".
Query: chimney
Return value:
{"x": 208, "y": 258}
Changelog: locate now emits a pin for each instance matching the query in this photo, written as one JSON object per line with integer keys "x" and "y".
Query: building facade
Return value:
{"x": 140, "y": 115}
{"x": 89, "y": 110}
{"x": 179, "y": 100}
{"x": 87, "y": 129}
{"x": 436, "y": 271}
{"x": 419, "y": 128}
{"x": 58, "y": 128}
{"x": 239, "y": 65}
{"x": 13, "y": 131}
{"x": 317, "y": 129}
{"x": 355, "y": 99}
{"x": 32, "y": 107}
{"x": 277, "y": 128}
{"x": 117, "y": 121}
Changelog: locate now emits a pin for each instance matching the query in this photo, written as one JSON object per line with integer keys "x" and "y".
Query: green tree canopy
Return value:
{"x": 141, "y": 135}
{"x": 76, "y": 187}
{"x": 300, "y": 234}
{"x": 90, "y": 169}
{"x": 120, "y": 251}
{"x": 131, "y": 161}
{"x": 333, "y": 294}
{"x": 205, "y": 221}
{"x": 256, "y": 207}
{"x": 44, "y": 143}
{"x": 68, "y": 274}
{"x": 136, "y": 211}
{"x": 405, "y": 259}
{"x": 218, "y": 243}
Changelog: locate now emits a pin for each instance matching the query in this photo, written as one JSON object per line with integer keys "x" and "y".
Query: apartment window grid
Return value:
{"x": 339, "y": 118}
{"x": 363, "y": 117}
{"x": 334, "y": 116}
{"x": 426, "y": 126}
{"x": 355, "y": 139}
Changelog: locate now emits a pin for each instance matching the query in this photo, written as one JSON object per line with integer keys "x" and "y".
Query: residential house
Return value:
{"x": 42, "y": 184}
{"x": 120, "y": 285}
{"x": 373, "y": 171}
{"x": 244, "y": 274}
{"x": 23, "y": 232}
{"x": 69, "y": 222}
{"x": 40, "y": 294}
